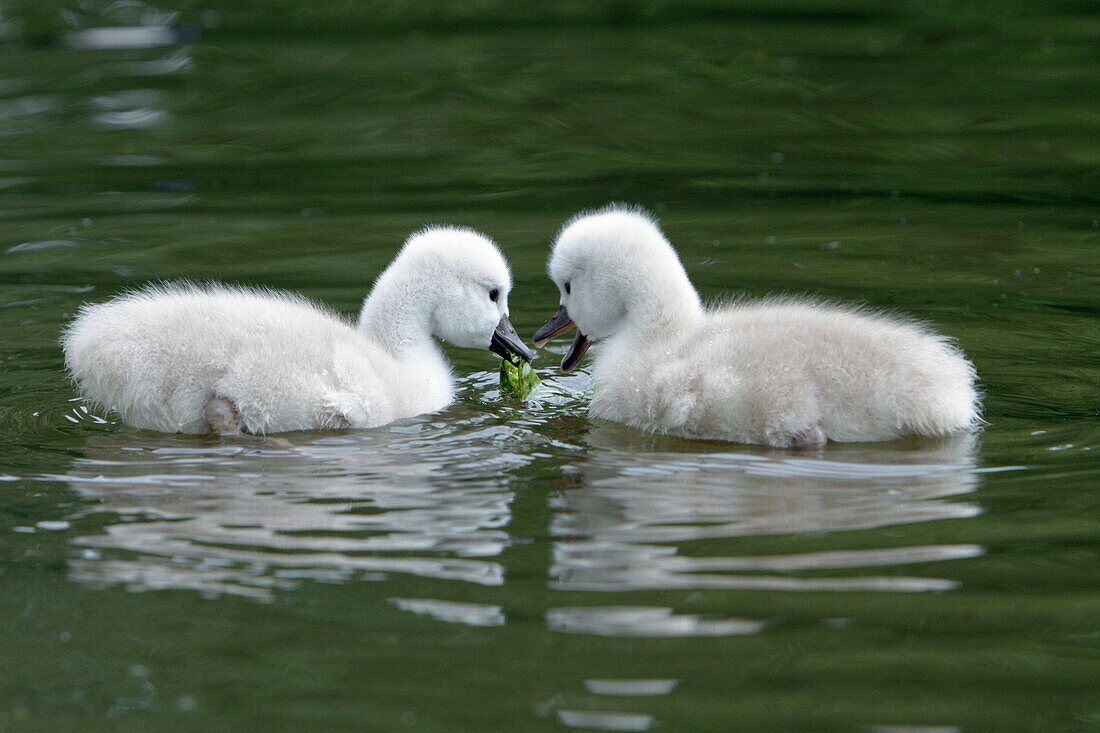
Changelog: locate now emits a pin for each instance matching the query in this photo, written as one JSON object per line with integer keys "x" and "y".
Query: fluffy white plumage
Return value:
{"x": 779, "y": 372}
{"x": 160, "y": 355}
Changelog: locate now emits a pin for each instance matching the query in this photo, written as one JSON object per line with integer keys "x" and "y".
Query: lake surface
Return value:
{"x": 510, "y": 567}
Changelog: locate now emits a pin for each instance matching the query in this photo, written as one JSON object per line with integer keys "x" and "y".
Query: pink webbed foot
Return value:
{"x": 221, "y": 416}
{"x": 811, "y": 437}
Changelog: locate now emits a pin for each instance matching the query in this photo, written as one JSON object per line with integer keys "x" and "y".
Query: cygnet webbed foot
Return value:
{"x": 811, "y": 437}
{"x": 221, "y": 416}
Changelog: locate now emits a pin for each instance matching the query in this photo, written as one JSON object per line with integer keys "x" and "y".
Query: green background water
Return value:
{"x": 501, "y": 567}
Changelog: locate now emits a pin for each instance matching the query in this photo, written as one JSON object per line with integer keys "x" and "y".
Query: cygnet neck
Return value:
{"x": 397, "y": 315}
{"x": 666, "y": 301}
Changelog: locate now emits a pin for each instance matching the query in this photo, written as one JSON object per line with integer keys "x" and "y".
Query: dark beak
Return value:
{"x": 576, "y": 351}
{"x": 560, "y": 323}
{"x": 556, "y": 326}
{"x": 506, "y": 342}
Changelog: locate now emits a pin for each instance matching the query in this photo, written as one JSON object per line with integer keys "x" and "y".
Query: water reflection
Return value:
{"x": 425, "y": 499}
{"x": 605, "y": 720}
{"x": 122, "y": 25}
{"x": 468, "y": 614}
{"x": 631, "y": 687}
{"x": 640, "y": 504}
{"x": 123, "y": 37}
{"x": 126, "y": 39}
{"x": 137, "y": 109}
{"x": 645, "y": 513}
{"x": 644, "y": 621}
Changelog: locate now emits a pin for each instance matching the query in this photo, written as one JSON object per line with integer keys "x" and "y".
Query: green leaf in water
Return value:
{"x": 517, "y": 378}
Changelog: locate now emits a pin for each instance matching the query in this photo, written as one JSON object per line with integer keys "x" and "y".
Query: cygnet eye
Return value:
{"x": 494, "y": 294}
{"x": 567, "y": 289}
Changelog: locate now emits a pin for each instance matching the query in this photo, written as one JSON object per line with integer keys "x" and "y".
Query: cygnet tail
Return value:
{"x": 946, "y": 400}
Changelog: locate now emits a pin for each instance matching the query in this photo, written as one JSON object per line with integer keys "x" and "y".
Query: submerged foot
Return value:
{"x": 224, "y": 420}
{"x": 221, "y": 416}
{"x": 811, "y": 437}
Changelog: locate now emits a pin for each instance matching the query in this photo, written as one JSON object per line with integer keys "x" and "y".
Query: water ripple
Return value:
{"x": 469, "y": 614}
{"x": 605, "y": 720}
{"x": 254, "y": 518}
{"x": 631, "y": 687}
{"x": 633, "y": 518}
{"x": 122, "y": 37}
{"x": 644, "y": 621}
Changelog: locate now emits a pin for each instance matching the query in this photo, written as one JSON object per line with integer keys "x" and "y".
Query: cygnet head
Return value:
{"x": 614, "y": 270}
{"x": 452, "y": 283}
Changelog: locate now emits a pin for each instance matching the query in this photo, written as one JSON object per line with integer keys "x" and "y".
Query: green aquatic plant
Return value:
{"x": 517, "y": 378}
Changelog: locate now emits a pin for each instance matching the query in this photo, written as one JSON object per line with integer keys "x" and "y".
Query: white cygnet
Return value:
{"x": 216, "y": 358}
{"x": 781, "y": 372}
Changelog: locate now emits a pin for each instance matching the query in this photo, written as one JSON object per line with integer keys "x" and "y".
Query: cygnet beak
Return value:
{"x": 576, "y": 351}
{"x": 558, "y": 324}
{"x": 506, "y": 342}
{"x": 561, "y": 323}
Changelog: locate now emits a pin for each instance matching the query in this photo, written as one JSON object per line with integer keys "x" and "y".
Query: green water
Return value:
{"x": 501, "y": 568}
